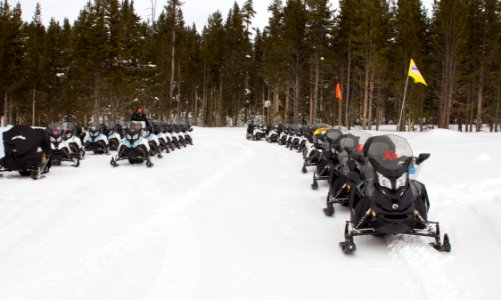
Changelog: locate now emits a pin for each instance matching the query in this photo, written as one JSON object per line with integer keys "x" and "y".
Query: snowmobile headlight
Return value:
{"x": 53, "y": 139}
{"x": 401, "y": 181}
{"x": 384, "y": 181}
{"x": 59, "y": 139}
{"x": 129, "y": 137}
{"x": 136, "y": 136}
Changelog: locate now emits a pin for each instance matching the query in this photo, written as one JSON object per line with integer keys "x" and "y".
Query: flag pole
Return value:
{"x": 403, "y": 103}
{"x": 340, "y": 112}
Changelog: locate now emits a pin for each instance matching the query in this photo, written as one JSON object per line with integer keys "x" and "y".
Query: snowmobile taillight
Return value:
{"x": 360, "y": 148}
{"x": 390, "y": 154}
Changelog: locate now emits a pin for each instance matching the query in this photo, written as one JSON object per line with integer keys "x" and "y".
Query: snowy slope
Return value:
{"x": 234, "y": 219}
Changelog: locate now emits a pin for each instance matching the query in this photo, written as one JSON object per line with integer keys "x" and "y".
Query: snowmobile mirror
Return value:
{"x": 422, "y": 157}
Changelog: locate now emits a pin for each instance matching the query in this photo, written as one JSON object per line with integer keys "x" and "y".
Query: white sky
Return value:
{"x": 195, "y": 11}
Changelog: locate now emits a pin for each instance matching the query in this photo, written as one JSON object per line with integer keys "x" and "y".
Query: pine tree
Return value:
{"x": 11, "y": 55}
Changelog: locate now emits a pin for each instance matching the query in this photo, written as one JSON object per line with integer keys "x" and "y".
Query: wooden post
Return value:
{"x": 340, "y": 117}
{"x": 403, "y": 104}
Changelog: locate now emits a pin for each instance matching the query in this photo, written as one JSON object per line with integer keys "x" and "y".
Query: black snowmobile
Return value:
{"x": 390, "y": 202}
{"x": 21, "y": 144}
{"x": 175, "y": 139}
{"x": 295, "y": 139}
{"x": 168, "y": 136}
{"x": 162, "y": 138}
{"x": 349, "y": 172}
{"x": 284, "y": 133}
{"x": 153, "y": 142}
{"x": 185, "y": 130}
{"x": 66, "y": 147}
{"x": 272, "y": 134}
{"x": 315, "y": 141}
{"x": 328, "y": 158}
{"x": 180, "y": 136}
{"x": 134, "y": 147}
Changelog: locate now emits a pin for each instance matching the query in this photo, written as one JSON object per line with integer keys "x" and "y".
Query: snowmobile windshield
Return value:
{"x": 354, "y": 142}
{"x": 390, "y": 154}
{"x": 136, "y": 125}
{"x": 333, "y": 135}
{"x": 57, "y": 129}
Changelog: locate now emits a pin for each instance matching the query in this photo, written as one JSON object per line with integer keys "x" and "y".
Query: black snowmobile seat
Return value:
{"x": 21, "y": 145}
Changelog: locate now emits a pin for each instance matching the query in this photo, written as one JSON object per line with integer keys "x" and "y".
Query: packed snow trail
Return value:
{"x": 235, "y": 219}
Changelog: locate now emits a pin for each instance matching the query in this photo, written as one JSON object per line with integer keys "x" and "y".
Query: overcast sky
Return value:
{"x": 195, "y": 11}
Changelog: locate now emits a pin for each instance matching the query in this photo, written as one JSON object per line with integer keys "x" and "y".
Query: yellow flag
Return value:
{"x": 415, "y": 74}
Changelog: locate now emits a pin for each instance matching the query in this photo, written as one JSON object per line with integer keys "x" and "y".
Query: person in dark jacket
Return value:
{"x": 140, "y": 116}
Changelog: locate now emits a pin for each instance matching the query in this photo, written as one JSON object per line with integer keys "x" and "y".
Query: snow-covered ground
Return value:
{"x": 234, "y": 219}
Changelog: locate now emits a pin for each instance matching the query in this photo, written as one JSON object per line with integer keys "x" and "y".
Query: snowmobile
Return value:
{"x": 295, "y": 139}
{"x": 313, "y": 145}
{"x": 328, "y": 157}
{"x": 168, "y": 137}
{"x": 282, "y": 138}
{"x": 134, "y": 147}
{"x": 162, "y": 137}
{"x": 65, "y": 146}
{"x": 391, "y": 203}
{"x": 153, "y": 142}
{"x": 180, "y": 136}
{"x": 174, "y": 136}
{"x": 22, "y": 154}
{"x": 96, "y": 140}
{"x": 303, "y": 138}
{"x": 255, "y": 133}
{"x": 290, "y": 136}
{"x": 115, "y": 135}
{"x": 185, "y": 129}
{"x": 272, "y": 135}
{"x": 348, "y": 173}
{"x": 72, "y": 138}
{"x": 250, "y": 131}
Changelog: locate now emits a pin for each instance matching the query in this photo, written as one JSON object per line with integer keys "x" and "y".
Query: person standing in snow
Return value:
{"x": 140, "y": 116}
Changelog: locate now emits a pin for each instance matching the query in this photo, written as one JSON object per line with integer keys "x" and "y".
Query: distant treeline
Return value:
{"x": 109, "y": 60}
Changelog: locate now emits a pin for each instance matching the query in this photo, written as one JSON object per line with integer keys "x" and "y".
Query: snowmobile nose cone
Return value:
{"x": 395, "y": 206}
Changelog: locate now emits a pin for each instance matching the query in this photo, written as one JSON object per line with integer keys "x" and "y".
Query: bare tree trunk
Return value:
{"x": 173, "y": 54}
{"x": 220, "y": 103}
{"x": 96, "y": 100}
{"x": 33, "y": 106}
{"x": 315, "y": 92}
{"x": 311, "y": 98}
{"x": 178, "y": 87}
{"x": 10, "y": 108}
{"x": 276, "y": 102}
{"x": 287, "y": 100}
{"x": 371, "y": 96}
{"x": 297, "y": 93}
{"x": 497, "y": 121}
{"x": 348, "y": 87}
{"x": 204, "y": 96}
{"x": 366, "y": 96}
{"x": 480, "y": 98}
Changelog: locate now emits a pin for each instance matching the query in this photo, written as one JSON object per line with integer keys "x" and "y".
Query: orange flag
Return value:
{"x": 339, "y": 96}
